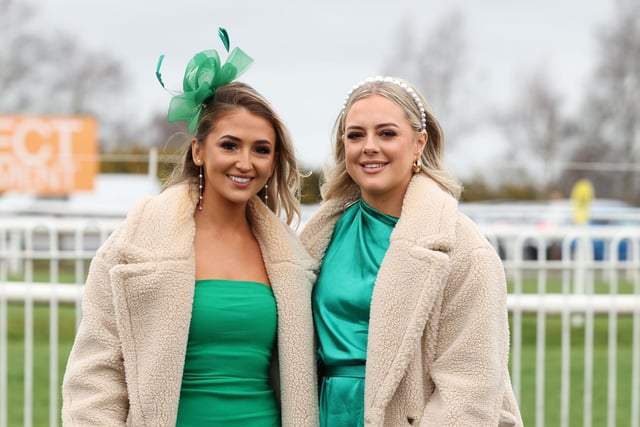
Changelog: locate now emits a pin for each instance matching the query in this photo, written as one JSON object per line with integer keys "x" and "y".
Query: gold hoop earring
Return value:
{"x": 417, "y": 166}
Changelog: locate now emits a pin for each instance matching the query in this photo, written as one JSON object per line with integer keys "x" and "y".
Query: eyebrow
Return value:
{"x": 236, "y": 139}
{"x": 231, "y": 137}
{"x": 381, "y": 125}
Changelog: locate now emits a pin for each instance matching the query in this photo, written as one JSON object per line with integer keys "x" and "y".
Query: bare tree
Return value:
{"x": 611, "y": 111}
{"x": 85, "y": 80}
{"x": 440, "y": 64}
{"x": 19, "y": 54}
{"x": 536, "y": 129}
{"x": 401, "y": 62}
{"x": 44, "y": 73}
{"x": 437, "y": 68}
{"x": 168, "y": 137}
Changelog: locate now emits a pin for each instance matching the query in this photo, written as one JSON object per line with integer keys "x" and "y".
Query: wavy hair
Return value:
{"x": 337, "y": 180}
{"x": 284, "y": 185}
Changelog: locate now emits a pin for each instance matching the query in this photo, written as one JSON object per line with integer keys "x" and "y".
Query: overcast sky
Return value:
{"x": 309, "y": 54}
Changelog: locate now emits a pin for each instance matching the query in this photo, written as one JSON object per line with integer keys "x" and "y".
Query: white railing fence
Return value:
{"x": 572, "y": 277}
{"x": 59, "y": 250}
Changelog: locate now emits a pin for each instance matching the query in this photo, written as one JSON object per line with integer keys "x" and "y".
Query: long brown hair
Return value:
{"x": 284, "y": 184}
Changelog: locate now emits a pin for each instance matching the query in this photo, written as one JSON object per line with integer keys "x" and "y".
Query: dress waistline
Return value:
{"x": 352, "y": 371}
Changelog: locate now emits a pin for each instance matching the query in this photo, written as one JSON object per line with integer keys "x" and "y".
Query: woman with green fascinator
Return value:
{"x": 410, "y": 303}
{"x": 196, "y": 310}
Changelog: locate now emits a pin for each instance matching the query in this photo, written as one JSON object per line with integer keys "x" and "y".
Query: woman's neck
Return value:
{"x": 222, "y": 217}
{"x": 390, "y": 203}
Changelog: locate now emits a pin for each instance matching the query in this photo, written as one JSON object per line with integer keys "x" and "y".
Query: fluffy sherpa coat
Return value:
{"x": 438, "y": 333}
{"x": 127, "y": 361}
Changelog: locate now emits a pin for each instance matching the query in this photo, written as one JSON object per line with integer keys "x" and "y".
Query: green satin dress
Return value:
{"x": 226, "y": 370}
{"x": 341, "y": 301}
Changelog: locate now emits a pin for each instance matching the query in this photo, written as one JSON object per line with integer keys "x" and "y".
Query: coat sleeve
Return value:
{"x": 94, "y": 390}
{"x": 472, "y": 350}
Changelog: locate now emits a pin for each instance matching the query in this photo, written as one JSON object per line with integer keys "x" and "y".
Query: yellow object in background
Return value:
{"x": 582, "y": 195}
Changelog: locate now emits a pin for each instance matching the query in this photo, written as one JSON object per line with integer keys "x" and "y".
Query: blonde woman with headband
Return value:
{"x": 410, "y": 303}
{"x": 196, "y": 311}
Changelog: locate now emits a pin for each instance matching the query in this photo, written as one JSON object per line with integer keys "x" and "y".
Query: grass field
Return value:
{"x": 40, "y": 359}
{"x": 553, "y": 372}
{"x": 528, "y": 376}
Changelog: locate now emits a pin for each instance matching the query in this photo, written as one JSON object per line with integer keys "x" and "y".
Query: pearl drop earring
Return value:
{"x": 200, "y": 185}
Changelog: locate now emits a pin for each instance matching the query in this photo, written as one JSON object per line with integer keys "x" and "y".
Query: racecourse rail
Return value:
{"x": 574, "y": 274}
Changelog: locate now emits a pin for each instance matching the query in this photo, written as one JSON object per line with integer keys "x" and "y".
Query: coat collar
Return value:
{"x": 176, "y": 205}
{"x": 278, "y": 242}
{"x": 428, "y": 215}
{"x": 409, "y": 286}
{"x": 279, "y": 245}
{"x": 427, "y": 218}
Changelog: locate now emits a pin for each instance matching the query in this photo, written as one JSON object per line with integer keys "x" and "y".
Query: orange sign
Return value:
{"x": 48, "y": 155}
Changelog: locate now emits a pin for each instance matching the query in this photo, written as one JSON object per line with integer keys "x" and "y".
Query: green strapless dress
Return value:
{"x": 341, "y": 301}
{"x": 226, "y": 370}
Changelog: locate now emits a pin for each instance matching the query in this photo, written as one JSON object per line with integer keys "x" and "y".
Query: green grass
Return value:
{"x": 66, "y": 271}
{"x": 552, "y": 390}
{"x": 552, "y": 375}
{"x": 40, "y": 360}
{"x": 553, "y": 285}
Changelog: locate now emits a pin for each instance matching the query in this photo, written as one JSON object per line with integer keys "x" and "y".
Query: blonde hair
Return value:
{"x": 284, "y": 184}
{"x": 337, "y": 180}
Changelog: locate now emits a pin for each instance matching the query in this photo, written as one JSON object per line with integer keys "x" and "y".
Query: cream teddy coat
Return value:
{"x": 438, "y": 333}
{"x": 127, "y": 360}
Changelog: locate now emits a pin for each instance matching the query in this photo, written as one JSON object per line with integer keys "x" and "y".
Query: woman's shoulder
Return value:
{"x": 471, "y": 248}
{"x": 317, "y": 230}
{"x": 174, "y": 201}
{"x": 156, "y": 215}
{"x": 278, "y": 240}
{"x": 468, "y": 231}
{"x": 432, "y": 217}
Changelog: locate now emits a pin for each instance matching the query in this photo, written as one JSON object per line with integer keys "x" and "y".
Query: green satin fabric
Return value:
{"x": 341, "y": 301}
{"x": 226, "y": 370}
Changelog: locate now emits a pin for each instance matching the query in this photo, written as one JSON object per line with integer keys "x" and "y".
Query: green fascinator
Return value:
{"x": 202, "y": 77}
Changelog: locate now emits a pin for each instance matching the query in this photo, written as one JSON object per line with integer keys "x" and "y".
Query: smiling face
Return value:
{"x": 238, "y": 157}
{"x": 380, "y": 148}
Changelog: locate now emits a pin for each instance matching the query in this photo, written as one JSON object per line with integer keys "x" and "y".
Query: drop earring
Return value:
{"x": 266, "y": 194}
{"x": 417, "y": 165}
{"x": 200, "y": 185}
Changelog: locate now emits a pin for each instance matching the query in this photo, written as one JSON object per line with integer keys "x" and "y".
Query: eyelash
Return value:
{"x": 227, "y": 145}
{"x": 383, "y": 134}
{"x": 260, "y": 149}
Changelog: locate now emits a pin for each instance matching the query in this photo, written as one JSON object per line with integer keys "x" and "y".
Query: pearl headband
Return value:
{"x": 403, "y": 86}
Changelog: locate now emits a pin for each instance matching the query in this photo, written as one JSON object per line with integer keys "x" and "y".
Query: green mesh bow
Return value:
{"x": 202, "y": 77}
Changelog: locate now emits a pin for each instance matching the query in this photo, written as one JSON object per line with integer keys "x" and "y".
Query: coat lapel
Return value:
{"x": 291, "y": 273}
{"x": 153, "y": 292}
{"x": 153, "y": 303}
{"x": 409, "y": 286}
